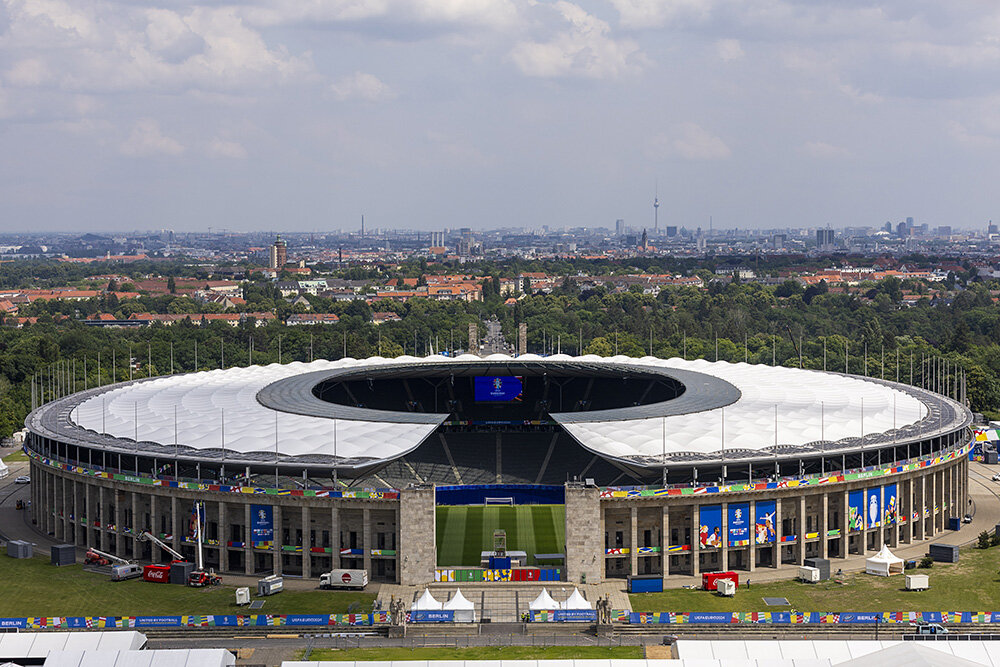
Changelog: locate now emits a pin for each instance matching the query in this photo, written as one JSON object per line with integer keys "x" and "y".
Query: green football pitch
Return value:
{"x": 465, "y": 531}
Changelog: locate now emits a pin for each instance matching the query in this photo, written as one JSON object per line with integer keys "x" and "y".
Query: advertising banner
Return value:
{"x": 855, "y": 511}
{"x": 873, "y": 501}
{"x": 891, "y": 511}
{"x": 576, "y": 615}
{"x": 764, "y": 532}
{"x": 739, "y": 524}
{"x": 157, "y": 621}
{"x": 710, "y": 526}
{"x": 261, "y": 524}
{"x": 432, "y": 616}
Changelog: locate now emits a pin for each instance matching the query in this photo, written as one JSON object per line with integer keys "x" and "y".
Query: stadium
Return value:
{"x": 405, "y": 467}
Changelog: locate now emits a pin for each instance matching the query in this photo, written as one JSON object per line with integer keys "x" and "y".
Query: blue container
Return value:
{"x": 646, "y": 583}
{"x": 954, "y": 523}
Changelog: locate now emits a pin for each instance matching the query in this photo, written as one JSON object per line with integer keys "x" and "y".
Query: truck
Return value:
{"x": 356, "y": 579}
{"x": 201, "y": 578}
{"x": 121, "y": 568}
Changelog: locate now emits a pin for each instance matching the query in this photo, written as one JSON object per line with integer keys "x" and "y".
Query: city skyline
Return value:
{"x": 423, "y": 114}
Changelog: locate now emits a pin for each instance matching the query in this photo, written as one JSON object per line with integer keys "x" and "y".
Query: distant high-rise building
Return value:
{"x": 991, "y": 228}
{"x": 619, "y": 227}
{"x": 779, "y": 240}
{"x": 944, "y": 230}
{"x": 465, "y": 242}
{"x": 671, "y": 231}
{"x": 656, "y": 215}
{"x": 279, "y": 254}
{"x": 887, "y": 226}
{"x": 824, "y": 239}
{"x": 902, "y": 230}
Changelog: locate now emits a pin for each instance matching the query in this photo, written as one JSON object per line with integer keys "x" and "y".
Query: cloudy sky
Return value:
{"x": 304, "y": 114}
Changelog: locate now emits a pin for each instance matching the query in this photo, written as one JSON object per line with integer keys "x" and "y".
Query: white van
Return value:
{"x": 123, "y": 572}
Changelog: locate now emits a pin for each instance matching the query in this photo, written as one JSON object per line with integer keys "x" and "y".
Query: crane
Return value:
{"x": 146, "y": 536}
{"x": 96, "y": 557}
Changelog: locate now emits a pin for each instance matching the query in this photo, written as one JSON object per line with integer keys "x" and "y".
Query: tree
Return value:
{"x": 171, "y": 285}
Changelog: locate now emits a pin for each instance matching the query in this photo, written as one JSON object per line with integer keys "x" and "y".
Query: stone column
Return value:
{"x": 695, "y": 540}
{"x": 136, "y": 524}
{"x": 248, "y": 555}
{"x": 175, "y": 526}
{"x": 75, "y": 521}
{"x": 398, "y": 548}
{"x": 102, "y": 511}
{"x": 933, "y": 502}
{"x": 118, "y": 522}
{"x": 88, "y": 510}
{"x": 664, "y": 539}
{"x": 800, "y": 533}
{"x": 366, "y": 537}
{"x": 633, "y": 551}
{"x": 154, "y": 527}
{"x": 279, "y": 530}
{"x": 779, "y": 532}
{"x": 335, "y": 538}
{"x": 824, "y": 522}
{"x": 753, "y": 535}
{"x": 223, "y": 538}
{"x": 724, "y": 555}
{"x": 880, "y": 531}
{"x": 306, "y": 543}
{"x": 417, "y": 529}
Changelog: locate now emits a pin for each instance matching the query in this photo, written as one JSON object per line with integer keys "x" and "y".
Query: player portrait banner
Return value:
{"x": 764, "y": 532}
{"x": 873, "y": 502}
{"x": 710, "y": 526}
{"x": 890, "y": 514}
{"x": 261, "y": 523}
{"x": 738, "y": 524}
{"x": 856, "y": 511}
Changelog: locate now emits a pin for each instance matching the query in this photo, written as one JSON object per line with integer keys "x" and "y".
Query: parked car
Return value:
{"x": 996, "y": 477}
{"x": 23, "y": 479}
{"x": 967, "y": 518}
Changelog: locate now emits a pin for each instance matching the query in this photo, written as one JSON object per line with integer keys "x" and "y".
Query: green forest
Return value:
{"x": 784, "y": 324}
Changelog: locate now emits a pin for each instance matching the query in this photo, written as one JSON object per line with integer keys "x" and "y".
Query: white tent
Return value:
{"x": 4, "y": 471}
{"x": 426, "y": 602}
{"x": 544, "y": 601}
{"x": 465, "y": 610}
{"x": 576, "y": 601}
{"x": 884, "y": 563}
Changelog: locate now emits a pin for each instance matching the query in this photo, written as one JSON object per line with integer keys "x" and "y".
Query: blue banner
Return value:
{"x": 891, "y": 510}
{"x": 304, "y": 619}
{"x": 764, "y": 532}
{"x": 576, "y": 615}
{"x": 710, "y": 526}
{"x": 855, "y": 511}
{"x": 862, "y": 617}
{"x": 13, "y": 622}
{"x": 873, "y": 502}
{"x": 710, "y": 617}
{"x": 432, "y": 616}
{"x": 157, "y": 621}
{"x": 261, "y": 523}
{"x": 497, "y": 388}
{"x": 227, "y": 621}
{"x": 739, "y": 524}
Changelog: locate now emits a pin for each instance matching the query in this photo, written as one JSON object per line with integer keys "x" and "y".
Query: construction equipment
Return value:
{"x": 158, "y": 573}
{"x": 201, "y": 578}
{"x": 101, "y": 558}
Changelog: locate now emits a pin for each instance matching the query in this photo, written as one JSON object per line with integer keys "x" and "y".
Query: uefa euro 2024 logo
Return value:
{"x": 497, "y": 384}
{"x": 738, "y": 513}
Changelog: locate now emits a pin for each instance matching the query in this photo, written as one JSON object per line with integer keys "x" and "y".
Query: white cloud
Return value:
{"x": 146, "y": 139}
{"x": 108, "y": 47}
{"x": 656, "y": 13}
{"x": 824, "y": 151}
{"x": 493, "y": 14}
{"x": 226, "y": 149}
{"x": 729, "y": 50}
{"x": 696, "y": 143}
{"x": 361, "y": 86}
{"x": 585, "y": 49}
{"x": 28, "y": 72}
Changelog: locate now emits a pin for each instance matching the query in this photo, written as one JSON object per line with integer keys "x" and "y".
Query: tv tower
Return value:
{"x": 656, "y": 214}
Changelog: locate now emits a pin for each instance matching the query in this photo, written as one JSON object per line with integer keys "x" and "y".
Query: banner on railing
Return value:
{"x": 193, "y": 621}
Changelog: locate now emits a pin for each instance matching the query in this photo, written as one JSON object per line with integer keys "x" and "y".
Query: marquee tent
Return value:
{"x": 543, "y": 602}
{"x": 884, "y": 563}
{"x": 465, "y": 610}
{"x": 426, "y": 602}
{"x": 576, "y": 601}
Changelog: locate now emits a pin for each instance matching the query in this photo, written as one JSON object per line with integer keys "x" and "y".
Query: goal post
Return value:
{"x": 498, "y": 501}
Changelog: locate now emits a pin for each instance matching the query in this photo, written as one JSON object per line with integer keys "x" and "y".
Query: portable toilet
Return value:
{"x": 242, "y": 596}
{"x": 917, "y": 582}
{"x": 270, "y": 585}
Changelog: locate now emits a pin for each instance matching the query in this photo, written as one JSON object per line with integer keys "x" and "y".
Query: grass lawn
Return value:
{"x": 464, "y": 531}
{"x": 36, "y": 588}
{"x": 972, "y": 584}
{"x": 478, "y": 653}
{"x": 13, "y": 457}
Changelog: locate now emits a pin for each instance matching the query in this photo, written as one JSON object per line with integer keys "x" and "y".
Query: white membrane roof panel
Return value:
{"x": 218, "y": 410}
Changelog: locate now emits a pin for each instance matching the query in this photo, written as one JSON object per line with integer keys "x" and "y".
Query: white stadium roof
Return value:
{"x": 220, "y": 409}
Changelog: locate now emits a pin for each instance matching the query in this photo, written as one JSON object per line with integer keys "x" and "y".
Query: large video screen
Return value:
{"x": 497, "y": 388}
